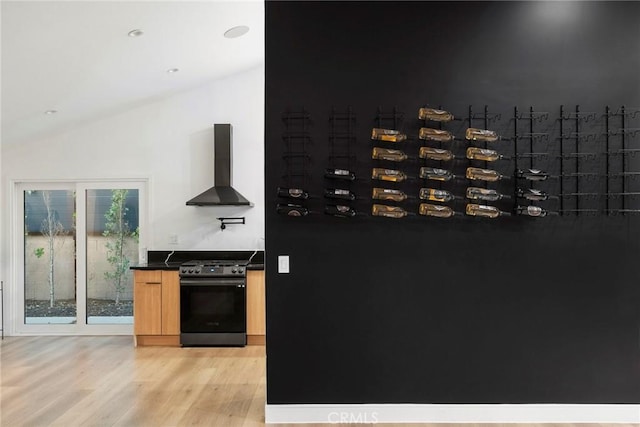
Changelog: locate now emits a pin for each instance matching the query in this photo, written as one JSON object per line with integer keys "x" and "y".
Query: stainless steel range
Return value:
{"x": 213, "y": 303}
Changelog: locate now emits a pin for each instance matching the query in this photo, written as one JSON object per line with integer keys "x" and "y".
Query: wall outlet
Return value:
{"x": 142, "y": 255}
{"x": 173, "y": 239}
{"x": 283, "y": 263}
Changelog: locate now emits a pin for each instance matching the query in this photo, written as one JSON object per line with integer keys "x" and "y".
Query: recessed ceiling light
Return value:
{"x": 135, "y": 33}
{"x": 173, "y": 70}
{"x": 49, "y": 112}
{"x": 238, "y": 31}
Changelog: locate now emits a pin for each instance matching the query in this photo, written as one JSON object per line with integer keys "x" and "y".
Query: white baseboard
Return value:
{"x": 449, "y": 413}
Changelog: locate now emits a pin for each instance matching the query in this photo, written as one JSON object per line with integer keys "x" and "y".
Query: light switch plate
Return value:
{"x": 283, "y": 263}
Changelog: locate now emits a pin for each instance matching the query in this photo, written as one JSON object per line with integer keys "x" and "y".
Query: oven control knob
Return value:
{"x": 240, "y": 270}
{"x": 233, "y": 270}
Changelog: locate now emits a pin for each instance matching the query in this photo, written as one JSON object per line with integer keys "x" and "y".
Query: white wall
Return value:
{"x": 170, "y": 142}
{"x": 3, "y": 252}
{"x": 3, "y": 204}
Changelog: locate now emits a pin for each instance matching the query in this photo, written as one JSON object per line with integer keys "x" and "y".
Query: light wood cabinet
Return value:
{"x": 256, "y": 323}
{"x": 156, "y": 307}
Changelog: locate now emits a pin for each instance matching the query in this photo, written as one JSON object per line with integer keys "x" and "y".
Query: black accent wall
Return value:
{"x": 460, "y": 310}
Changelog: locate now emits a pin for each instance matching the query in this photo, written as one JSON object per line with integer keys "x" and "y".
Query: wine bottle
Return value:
{"x": 293, "y": 193}
{"x": 388, "y": 194}
{"x": 478, "y": 174}
{"x": 436, "y": 195}
{"x": 435, "y": 154}
{"x": 291, "y": 210}
{"x": 532, "y": 174}
{"x": 474, "y": 134}
{"x": 485, "y": 194}
{"x": 436, "y": 174}
{"x": 486, "y": 211}
{"x": 388, "y": 154}
{"x": 475, "y": 153}
{"x": 388, "y": 135}
{"x": 439, "y": 211}
{"x": 338, "y": 193}
{"x": 434, "y": 115}
{"x": 339, "y": 174}
{"x": 388, "y": 174}
{"x": 439, "y": 135}
{"x": 388, "y": 211}
{"x": 535, "y": 211}
{"x": 532, "y": 194}
{"x": 340, "y": 211}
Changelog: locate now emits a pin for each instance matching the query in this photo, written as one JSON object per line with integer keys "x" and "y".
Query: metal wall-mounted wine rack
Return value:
{"x": 447, "y": 188}
{"x": 576, "y": 162}
{"x": 339, "y": 177}
{"x": 530, "y": 151}
{"x": 390, "y": 120}
{"x": 622, "y": 166}
{"x": 296, "y": 139}
{"x": 486, "y": 119}
{"x": 579, "y": 155}
{"x": 440, "y": 144}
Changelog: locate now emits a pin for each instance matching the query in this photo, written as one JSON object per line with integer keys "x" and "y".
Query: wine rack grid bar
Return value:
{"x": 471, "y": 116}
{"x": 386, "y": 120}
{"x": 341, "y": 137}
{"x": 622, "y": 135}
{"x": 396, "y": 117}
{"x": 425, "y": 123}
{"x": 425, "y": 162}
{"x": 532, "y": 136}
{"x": 296, "y": 138}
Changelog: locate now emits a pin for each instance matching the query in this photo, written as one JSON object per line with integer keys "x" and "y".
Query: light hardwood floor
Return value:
{"x": 105, "y": 381}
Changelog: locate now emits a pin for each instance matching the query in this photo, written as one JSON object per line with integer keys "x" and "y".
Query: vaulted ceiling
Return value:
{"x": 77, "y": 59}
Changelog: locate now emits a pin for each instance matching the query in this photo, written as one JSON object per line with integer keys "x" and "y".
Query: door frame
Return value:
{"x": 15, "y": 313}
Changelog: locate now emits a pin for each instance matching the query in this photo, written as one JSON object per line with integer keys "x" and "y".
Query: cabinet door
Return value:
{"x": 147, "y": 300}
{"x": 255, "y": 303}
{"x": 170, "y": 303}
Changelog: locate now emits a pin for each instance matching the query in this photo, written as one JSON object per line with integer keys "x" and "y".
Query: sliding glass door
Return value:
{"x": 49, "y": 256}
{"x": 79, "y": 240}
{"x": 111, "y": 246}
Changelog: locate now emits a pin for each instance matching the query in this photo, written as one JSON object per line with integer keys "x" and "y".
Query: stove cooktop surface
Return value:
{"x": 217, "y": 263}
{"x": 213, "y": 268}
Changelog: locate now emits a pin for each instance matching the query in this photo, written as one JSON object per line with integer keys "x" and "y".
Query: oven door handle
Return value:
{"x": 214, "y": 282}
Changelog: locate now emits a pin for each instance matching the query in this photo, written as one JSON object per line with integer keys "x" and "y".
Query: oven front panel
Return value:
{"x": 207, "y": 306}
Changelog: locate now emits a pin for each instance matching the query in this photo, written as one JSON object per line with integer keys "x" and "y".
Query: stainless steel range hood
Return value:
{"x": 221, "y": 194}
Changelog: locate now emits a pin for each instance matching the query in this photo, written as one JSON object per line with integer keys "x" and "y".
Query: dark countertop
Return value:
{"x": 156, "y": 259}
{"x": 176, "y": 266}
{"x": 155, "y": 266}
